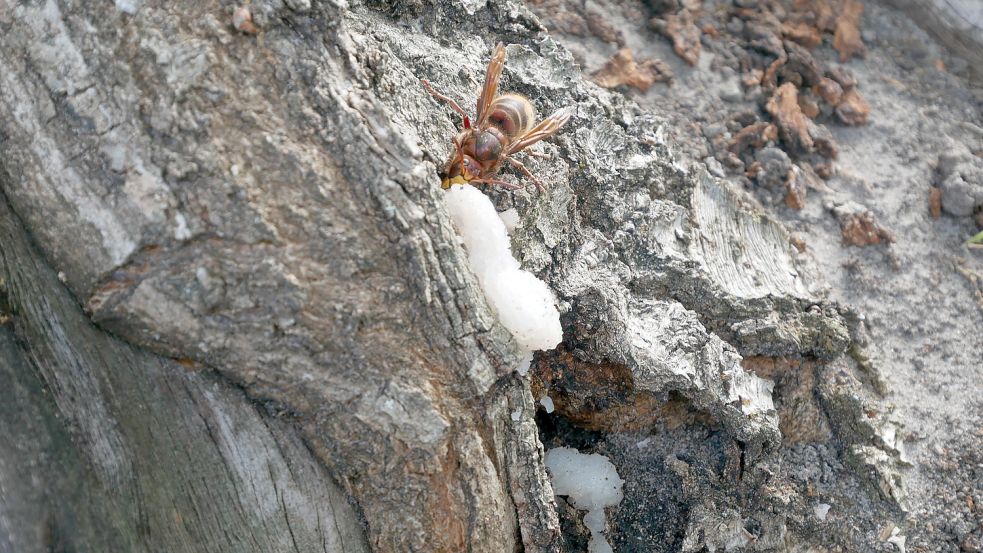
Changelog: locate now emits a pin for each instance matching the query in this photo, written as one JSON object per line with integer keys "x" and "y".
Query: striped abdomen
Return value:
{"x": 512, "y": 114}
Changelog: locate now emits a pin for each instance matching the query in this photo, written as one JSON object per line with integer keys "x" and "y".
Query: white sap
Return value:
{"x": 524, "y": 303}
{"x": 591, "y": 482}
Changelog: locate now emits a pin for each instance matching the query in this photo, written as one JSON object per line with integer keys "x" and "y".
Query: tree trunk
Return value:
{"x": 110, "y": 448}
{"x": 250, "y": 204}
{"x": 237, "y": 317}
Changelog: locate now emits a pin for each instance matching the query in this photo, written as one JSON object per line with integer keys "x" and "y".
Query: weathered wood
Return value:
{"x": 115, "y": 449}
{"x": 244, "y": 204}
{"x": 266, "y": 206}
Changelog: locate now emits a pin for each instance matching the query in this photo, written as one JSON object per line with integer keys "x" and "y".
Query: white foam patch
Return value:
{"x": 129, "y": 6}
{"x": 511, "y": 218}
{"x": 524, "y": 303}
{"x": 821, "y": 510}
{"x": 181, "y": 232}
{"x": 592, "y": 482}
{"x": 524, "y": 364}
{"x": 547, "y": 403}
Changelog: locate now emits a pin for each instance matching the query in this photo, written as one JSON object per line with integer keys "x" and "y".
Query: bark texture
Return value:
{"x": 250, "y": 204}
{"x": 256, "y": 218}
{"x": 110, "y": 448}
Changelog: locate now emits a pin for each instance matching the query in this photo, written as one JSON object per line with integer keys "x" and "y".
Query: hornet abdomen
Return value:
{"x": 512, "y": 114}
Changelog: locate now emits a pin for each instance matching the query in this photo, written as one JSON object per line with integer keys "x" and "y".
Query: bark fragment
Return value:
{"x": 802, "y": 33}
{"x": 242, "y": 20}
{"x": 859, "y": 227}
{"x": 829, "y": 90}
{"x": 772, "y": 168}
{"x": 602, "y": 29}
{"x": 842, "y": 76}
{"x": 808, "y": 105}
{"x": 960, "y": 180}
{"x": 795, "y": 196}
{"x": 934, "y": 202}
{"x": 800, "y": 68}
{"x": 793, "y": 126}
{"x": 577, "y": 20}
{"x": 753, "y": 137}
{"x": 846, "y": 37}
{"x": 684, "y": 33}
{"x": 622, "y": 69}
{"x": 852, "y": 108}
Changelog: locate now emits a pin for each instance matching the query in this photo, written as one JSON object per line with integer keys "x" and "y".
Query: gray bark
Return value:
{"x": 255, "y": 220}
{"x": 110, "y": 448}
{"x": 250, "y": 204}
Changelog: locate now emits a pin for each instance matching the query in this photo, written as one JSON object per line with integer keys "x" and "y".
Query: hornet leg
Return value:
{"x": 496, "y": 182}
{"x": 450, "y": 101}
{"x": 518, "y": 165}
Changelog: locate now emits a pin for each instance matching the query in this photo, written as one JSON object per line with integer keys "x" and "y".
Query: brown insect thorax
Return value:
{"x": 478, "y": 151}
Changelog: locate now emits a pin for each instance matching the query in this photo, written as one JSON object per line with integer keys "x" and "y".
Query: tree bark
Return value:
{"x": 248, "y": 204}
{"x": 289, "y": 350}
{"x": 110, "y": 448}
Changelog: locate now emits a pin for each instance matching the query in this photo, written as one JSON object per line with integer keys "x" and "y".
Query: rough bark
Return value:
{"x": 266, "y": 207}
{"x": 110, "y": 448}
{"x": 251, "y": 204}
